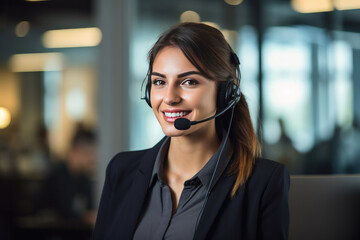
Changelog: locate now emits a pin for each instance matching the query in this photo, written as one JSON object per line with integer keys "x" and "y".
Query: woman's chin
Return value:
{"x": 171, "y": 131}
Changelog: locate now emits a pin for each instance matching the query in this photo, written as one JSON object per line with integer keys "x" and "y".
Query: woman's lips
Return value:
{"x": 171, "y": 115}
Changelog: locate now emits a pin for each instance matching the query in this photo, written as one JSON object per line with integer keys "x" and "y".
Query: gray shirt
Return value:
{"x": 157, "y": 221}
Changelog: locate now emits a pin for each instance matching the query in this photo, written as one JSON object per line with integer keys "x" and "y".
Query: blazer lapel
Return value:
{"x": 216, "y": 198}
{"x": 129, "y": 212}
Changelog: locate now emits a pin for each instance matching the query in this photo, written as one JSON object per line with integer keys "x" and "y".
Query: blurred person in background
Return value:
{"x": 283, "y": 151}
{"x": 324, "y": 156}
{"x": 348, "y": 157}
{"x": 68, "y": 190}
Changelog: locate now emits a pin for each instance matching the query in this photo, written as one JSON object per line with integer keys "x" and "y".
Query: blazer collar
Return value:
{"x": 217, "y": 196}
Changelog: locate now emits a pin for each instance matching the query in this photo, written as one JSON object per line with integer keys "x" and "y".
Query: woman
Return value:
{"x": 204, "y": 181}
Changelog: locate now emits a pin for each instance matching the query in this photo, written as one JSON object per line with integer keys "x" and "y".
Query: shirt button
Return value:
{"x": 197, "y": 181}
{"x": 193, "y": 182}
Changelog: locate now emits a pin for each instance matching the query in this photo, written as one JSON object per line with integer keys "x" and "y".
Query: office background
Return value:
{"x": 69, "y": 64}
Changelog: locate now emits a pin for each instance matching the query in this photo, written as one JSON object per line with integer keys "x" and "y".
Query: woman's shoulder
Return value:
{"x": 128, "y": 156}
{"x": 264, "y": 170}
{"x": 125, "y": 161}
{"x": 267, "y": 164}
{"x": 128, "y": 160}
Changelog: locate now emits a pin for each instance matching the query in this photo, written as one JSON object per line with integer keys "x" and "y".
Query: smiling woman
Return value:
{"x": 178, "y": 88}
{"x": 205, "y": 180}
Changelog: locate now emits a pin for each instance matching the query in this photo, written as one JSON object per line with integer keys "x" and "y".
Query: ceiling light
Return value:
{"x": 230, "y": 36}
{"x": 190, "y": 16}
{"x": 311, "y": 6}
{"x": 67, "y": 38}
{"x": 5, "y": 118}
{"x": 233, "y": 2}
{"x": 347, "y": 4}
{"x": 22, "y": 28}
{"x": 36, "y": 62}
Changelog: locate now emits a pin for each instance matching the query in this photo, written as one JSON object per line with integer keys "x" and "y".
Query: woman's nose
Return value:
{"x": 172, "y": 96}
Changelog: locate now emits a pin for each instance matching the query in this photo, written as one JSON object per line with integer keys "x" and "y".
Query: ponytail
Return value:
{"x": 245, "y": 145}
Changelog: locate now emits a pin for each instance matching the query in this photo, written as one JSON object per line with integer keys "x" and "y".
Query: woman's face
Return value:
{"x": 178, "y": 89}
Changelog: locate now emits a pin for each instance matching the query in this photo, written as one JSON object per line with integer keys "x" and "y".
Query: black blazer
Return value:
{"x": 259, "y": 210}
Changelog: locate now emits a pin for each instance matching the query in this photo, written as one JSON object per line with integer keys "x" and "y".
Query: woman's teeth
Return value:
{"x": 177, "y": 114}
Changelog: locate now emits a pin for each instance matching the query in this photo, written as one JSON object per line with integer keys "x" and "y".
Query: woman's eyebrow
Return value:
{"x": 181, "y": 75}
{"x": 189, "y": 73}
{"x": 158, "y": 74}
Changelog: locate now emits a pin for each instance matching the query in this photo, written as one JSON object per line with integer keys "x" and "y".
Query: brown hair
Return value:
{"x": 206, "y": 48}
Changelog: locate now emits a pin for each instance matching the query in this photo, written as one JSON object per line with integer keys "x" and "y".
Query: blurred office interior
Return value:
{"x": 69, "y": 65}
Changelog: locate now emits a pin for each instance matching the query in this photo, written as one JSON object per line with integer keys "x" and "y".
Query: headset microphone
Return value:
{"x": 184, "y": 123}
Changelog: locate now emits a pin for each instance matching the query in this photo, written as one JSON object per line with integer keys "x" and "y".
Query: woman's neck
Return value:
{"x": 188, "y": 154}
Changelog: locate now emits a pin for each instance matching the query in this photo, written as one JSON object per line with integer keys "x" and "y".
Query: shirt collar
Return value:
{"x": 160, "y": 158}
{"x": 205, "y": 174}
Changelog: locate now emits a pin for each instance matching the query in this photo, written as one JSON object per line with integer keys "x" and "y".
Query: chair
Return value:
{"x": 324, "y": 207}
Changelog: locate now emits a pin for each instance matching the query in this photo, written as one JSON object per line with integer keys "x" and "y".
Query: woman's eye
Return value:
{"x": 190, "y": 82}
{"x": 158, "y": 82}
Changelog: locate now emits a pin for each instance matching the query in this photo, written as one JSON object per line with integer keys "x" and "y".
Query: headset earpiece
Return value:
{"x": 147, "y": 92}
{"x": 220, "y": 99}
{"x": 228, "y": 92}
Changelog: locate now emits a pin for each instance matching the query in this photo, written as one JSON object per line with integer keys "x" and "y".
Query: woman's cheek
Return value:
{"x": 207, "y": 100}
{"x": 155, "y": 98}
